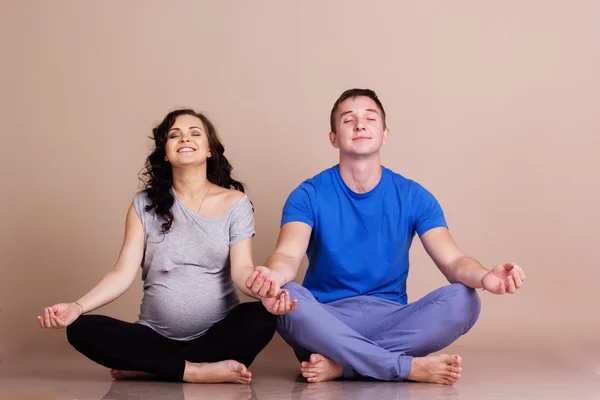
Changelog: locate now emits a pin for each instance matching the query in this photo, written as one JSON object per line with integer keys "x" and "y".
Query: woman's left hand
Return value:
{"x": 280, "y": 304}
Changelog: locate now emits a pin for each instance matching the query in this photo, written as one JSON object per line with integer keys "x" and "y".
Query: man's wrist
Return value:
{"x": 279, "y": 278}
{"x": 482, "y": 275}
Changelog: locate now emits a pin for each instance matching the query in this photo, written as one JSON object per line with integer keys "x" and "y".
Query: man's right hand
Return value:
{"x": 263, "y": 282}
{"x": 60, "y": 315}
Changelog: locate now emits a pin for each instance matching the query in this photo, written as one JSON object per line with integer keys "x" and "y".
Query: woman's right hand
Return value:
{"x": 281, "y": 304}
{"x": 60, "y": 315}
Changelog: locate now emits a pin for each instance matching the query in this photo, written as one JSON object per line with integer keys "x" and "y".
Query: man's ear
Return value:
{"x": 333, "y": 139}
{"x": 386, "y": 135}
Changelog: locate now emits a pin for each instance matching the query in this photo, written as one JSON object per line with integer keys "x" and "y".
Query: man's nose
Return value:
{"x": 359, "y": 126}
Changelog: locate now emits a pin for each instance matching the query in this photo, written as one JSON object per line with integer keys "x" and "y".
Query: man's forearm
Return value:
{"x": 285, "y": 268}
{"x": 468, "y": 271}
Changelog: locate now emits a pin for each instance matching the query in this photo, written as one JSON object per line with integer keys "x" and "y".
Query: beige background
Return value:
{"x": 493, "y": 107}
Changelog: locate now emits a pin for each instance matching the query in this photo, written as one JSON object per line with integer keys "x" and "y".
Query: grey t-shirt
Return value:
{"x": 186, "y": 272}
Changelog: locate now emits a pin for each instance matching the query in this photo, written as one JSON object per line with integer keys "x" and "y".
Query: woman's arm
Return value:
{"x": 242, "y": 264}
{"x": 111, "y": 286}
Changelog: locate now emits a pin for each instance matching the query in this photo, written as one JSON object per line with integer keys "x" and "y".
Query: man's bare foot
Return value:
{"x": 217, "y": 372}
{"x": 321, "y": 369}
{"x": 439, "y": 368}
{"x": 118, "y": 375}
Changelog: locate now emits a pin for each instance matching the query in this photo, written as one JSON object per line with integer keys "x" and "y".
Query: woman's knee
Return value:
{"x": 78, "y": 331}
{"x": 261, "y": 320}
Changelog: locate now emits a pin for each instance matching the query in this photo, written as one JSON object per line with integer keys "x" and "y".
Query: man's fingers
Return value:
{"x": 264, "y": 289}
{"x": 508, "y": 266}
{"x": 501, "y": 288}
{"x": 251, "y": 279}
{"x": 274, "y": 289}
{"x": 258, "y": 282}
{"x": 517, "y": 278}
{"x": 511, "y": 284}
{"x": 520, "y": 271}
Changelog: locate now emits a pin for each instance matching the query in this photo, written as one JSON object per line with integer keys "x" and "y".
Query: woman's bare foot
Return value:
{"x": 321, "y": 369}
{"x": 217, "y": 372}
{"x": 118, "y": 375}
{"x": 439, "y": 368}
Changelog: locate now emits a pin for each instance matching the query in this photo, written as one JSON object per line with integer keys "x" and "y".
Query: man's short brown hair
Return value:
{"x": 355, "y": 93}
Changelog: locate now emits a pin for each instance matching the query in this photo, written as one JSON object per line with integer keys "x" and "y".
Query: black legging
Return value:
{"x": 115, "y": 344}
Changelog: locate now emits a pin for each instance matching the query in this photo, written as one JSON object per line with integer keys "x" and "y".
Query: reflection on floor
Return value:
{"x": 531, "y": 372}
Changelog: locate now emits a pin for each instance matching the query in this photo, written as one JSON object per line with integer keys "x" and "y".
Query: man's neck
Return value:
{"x": 361, "y": 175}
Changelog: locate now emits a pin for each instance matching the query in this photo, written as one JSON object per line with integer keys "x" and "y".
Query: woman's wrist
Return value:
{"x": 80, "y": 306}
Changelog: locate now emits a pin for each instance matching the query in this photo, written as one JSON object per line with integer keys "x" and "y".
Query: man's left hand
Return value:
{"x": 504, "y": 278}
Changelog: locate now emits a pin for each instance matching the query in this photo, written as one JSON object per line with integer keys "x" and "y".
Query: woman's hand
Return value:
{"x": 280, "y": 304}
{"x": 60, "y": 315}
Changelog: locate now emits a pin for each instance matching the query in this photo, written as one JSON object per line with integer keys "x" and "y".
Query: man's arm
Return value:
{"x": 460, "y": 268}
{"x": 452, "y": 262}
{"x": 282, "y": 266}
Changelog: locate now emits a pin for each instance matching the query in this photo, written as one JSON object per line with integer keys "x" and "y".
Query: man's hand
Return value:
{"x": 504, "y": 278}
{"x": 281, "y": 304}
{"x": 263, "y": 283}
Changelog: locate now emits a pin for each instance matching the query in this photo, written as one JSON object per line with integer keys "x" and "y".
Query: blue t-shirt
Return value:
{"x": 359, "y": 242}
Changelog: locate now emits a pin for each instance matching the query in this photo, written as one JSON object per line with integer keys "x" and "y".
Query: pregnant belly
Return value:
{"x": 185, "y": 310}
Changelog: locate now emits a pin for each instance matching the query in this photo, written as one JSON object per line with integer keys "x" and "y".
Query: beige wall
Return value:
{"x": 493, "y": 107}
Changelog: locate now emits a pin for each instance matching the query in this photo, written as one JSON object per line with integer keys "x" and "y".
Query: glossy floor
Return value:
{"x": 530, "y": 372}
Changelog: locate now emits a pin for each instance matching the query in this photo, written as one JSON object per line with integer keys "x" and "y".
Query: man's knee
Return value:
{"x": 297, "y": 291}
{"x": 466, "y": 304}
{"x": 287, "y": 322}
{"x": 301, "y": 315}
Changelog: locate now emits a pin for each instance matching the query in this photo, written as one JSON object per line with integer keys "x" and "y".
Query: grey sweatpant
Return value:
{"x": 374, "y": 337}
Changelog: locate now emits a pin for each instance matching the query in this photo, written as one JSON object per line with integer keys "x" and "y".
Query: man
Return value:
{"x": 356, "y": 222}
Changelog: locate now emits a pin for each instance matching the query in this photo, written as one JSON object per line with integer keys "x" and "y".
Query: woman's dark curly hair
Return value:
{"x": 158, "y": 175}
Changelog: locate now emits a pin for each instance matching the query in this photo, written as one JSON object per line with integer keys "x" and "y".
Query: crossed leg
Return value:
{"x": 332, "y": 341}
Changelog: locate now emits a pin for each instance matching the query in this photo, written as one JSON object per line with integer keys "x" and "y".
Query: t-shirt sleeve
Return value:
{"x": 428, "y": 212}
{"x": 242, "y": 222}
{"x": 299, "y": 206}
{"x": 140, "y": 200}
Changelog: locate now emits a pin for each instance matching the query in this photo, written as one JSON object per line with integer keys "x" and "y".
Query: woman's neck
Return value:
{"x": 190, "y": 182}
